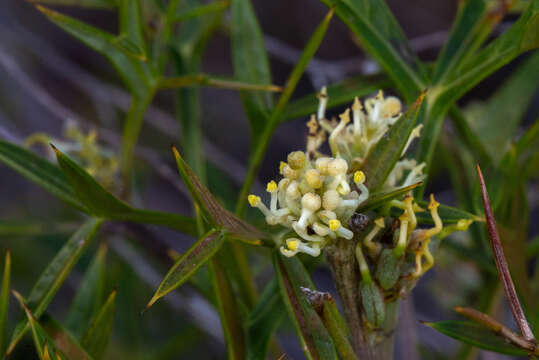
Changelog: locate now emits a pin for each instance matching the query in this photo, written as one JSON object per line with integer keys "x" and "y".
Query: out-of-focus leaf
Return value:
{"x": 4, "y": 300}
{"x": 98, "y": 4}
{"x": 263, "y": 321}
{"x": 527, "y": 145}
{"x": 383, "y": 197}
{"x": 131, "y": 25}
{"x": 63, "y": 339}
{"x": 135, "y": 73}
{"x": 101, "y": 203}
{"x": 338, "y": 94}
{"x": 473, "y": 23}
{"x": 89, "y": 297}
{"x": 229, "y": 311}
{"x": 212, "y": 210}
{"x": 315, "y": 340}
{"x": 43, "y": 343}
{"x": 383, "y": 156}
{"x": 278, "y": 111}
{"x": 200, "y": 10}
{"x": 212, "y": 81}
{"x": 468, "y": 136}
{"x": 40, "y": 171}
{"x": 54, "y": 275}
{"x": 35, "y": 228}
{"x": 476, "y": 335}
{"x": 498, "y": 120}
{"x": 521, "y": 37}
{"x": 337, "y": 328}
{"x": 448, "y": 214}
{"x": 197, "y": 255}
{"x": 380, "y": 34}
{"x": 251, "y": 63}
{"x": 97, "y": 336}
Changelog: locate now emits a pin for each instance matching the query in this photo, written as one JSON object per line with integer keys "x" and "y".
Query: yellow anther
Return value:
{"x": 345, "y": 117}
{"x": 359, "y": 177}
{"x": 380, "y": 222}
{"x": 253, "y": 200}
{"x": 271, "y": 187}
{"x": 334, "y": 224}
{"x": 357, "y": 104}
{"x": 282, "y": 164}
{"x": 292, "y": 244}
{"x": 433, "y": 204}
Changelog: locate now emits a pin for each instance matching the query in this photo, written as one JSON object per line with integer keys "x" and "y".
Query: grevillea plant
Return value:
{"x": 351, "y": 200}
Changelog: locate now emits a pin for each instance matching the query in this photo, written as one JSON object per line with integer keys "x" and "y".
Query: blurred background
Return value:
{"x": 48, "y": 79}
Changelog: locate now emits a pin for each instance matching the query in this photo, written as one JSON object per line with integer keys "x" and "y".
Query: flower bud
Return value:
{"x": 388, "y": 269}
{"x": 296, "y": 160}
{"x": 372, "y": 303}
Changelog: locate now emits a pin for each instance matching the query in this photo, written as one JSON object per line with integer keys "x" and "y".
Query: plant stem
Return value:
{"x": 368, "y": 345}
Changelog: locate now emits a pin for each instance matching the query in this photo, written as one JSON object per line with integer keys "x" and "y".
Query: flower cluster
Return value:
{"x": 98, "y": 161}
{"x": 318, "y": 193}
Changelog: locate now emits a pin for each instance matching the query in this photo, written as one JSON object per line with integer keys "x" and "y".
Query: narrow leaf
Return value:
{"x": 213, "y": 81}
{"x": 383, "y": 156}
{"x": 315, "y": 340}
{"x": 135, "y": 73}
{"x": 97, "y": 336}
{"x": 339, "y": 94}
{"x": 211, "y": 209}
{"x": 383, "y": 197}
{"x": 97, "y": 4}
{"x": 501, "y": 265}
{"x": 4, "y": 300}
{"x": 263, "y": 321}
{"x": 197, "y": 255}
{"x": 476, "y": 335}
{"x": 63, "y": 339}
{"x": 103, "y": 204}
{"x": 200, "y": 10}
{"x": 251, "y": 62}
{"x": 380, "y": 34}
{"x": 39, "y": 171}
{"x": 131, "y": 25}
{"x": 89, "y": 296}
{"x": 336, "y": 326}
{"x": 229, "y": 311}
{"x": 43, "y": 344}
{"x": 54, "y": 275}
{"x": 448, "y": 214}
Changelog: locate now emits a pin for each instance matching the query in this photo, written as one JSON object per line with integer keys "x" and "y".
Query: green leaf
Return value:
{"x": 383, "y": 156}
{"x": 339, "y": 94}
{"x": 197, "y": 255}
{"x": 213, "y": 81}
{"x": 211, "y": 209}
{"x": 98, "y": 4}
{"x": 380, "y": 34}
{"x": 39, "y": 171}
{"x": 521, "y": 37}
{"x": 337, "y": 328}
{"x": 131, "y": 25}
{"x": 200, "y": 10}
{"x": 43, "y": 343}
{"x": 475, "y": 20}
{"x": 63, "y": 339}
{"x": 101, "y": 203}
{"x": 251, "y": 63}
{"x": 229, "y": 311}
{"x": 136, "y": 74}
{"x": 263, "y": 321}
{"x": 498, "y": 119}
{"x": 4, "y": 300}
{"x": 89, "y": 296}
{"x": 278, "y": 111}
{"x": 315, "y": 340}
{"x": 476, "y": 335}
{"x": 448, "y": 214}
{"x": 97, "y": 336}
{"x": 383, "y": 197}
{"x": 54, "y": 275}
